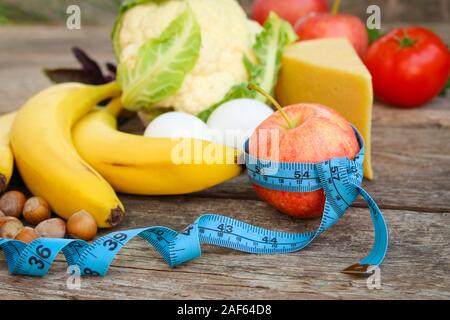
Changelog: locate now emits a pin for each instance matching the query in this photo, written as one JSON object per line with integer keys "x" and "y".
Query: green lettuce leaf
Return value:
{"x": 268, "y": 49}
{"x": 162, "y": 64}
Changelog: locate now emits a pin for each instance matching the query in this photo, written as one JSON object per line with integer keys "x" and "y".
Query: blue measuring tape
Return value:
{"x": 340, "y": 179}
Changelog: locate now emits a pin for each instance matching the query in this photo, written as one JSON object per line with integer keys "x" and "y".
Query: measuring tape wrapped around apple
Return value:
{"x": 340, "y": 179}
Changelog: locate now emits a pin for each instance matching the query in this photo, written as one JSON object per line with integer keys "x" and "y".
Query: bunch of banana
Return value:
{"x": 6, "y": 156}
{"x": 49, "y": 163}
{"x": 73, "y": 156}
{"x": 150, "y": 166}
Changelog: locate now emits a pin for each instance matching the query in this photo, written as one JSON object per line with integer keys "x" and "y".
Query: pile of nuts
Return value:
{"x": 37, "y": 212}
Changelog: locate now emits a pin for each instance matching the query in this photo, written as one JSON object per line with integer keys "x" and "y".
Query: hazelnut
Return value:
{"x": 5, "y": 219}
{"x": 10, "y": 227}
{"x": 82, "y": 225}
{"x": 36, "y": 210}
{"x": 12, "y": 202}
{"x": 52, "y": 228}
{"x": 27, "y": 235}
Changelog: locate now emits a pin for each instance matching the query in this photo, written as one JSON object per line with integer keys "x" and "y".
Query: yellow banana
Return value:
{"x": 151, "y": 166}
{"x": 47, "y": 160}
{"x": 6, "y": 156}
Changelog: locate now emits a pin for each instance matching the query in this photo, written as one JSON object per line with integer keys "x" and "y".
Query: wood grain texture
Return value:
{"x": 412, "y": 164}
{"x": 101, "y": 12}
{"x": 416, "y": 267}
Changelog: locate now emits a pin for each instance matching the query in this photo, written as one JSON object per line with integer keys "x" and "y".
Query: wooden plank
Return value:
{"x": 104, "y": 12}
{"x": 412, "y": 165}
{"x": 28, "y": 49}
{"x": 411, "y": 156}
{"x": 417, "y": 264}
{"x": 412, "y": 144}
{"x": 411, "y": 150}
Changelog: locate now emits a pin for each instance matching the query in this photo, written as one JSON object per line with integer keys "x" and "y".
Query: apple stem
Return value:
{"x": 336, "y": 6}
{"x": 252, "y": 86}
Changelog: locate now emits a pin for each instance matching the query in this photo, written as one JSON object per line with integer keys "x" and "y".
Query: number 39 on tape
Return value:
{"x": 340, "y": 179}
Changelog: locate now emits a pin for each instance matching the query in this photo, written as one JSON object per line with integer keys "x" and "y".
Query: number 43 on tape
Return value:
{"x": 340, "y": 179}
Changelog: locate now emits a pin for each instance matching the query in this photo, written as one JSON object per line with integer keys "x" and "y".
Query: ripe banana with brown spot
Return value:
{"x": 48, "y": 162}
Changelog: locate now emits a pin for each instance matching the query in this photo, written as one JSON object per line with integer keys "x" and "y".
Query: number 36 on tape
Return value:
{"x": 339, "y": 178}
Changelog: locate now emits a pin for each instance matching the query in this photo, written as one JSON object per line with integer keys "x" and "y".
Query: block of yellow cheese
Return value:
{"x": 329, "y": 72}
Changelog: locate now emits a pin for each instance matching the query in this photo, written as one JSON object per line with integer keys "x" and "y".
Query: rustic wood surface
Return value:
{"x": 101, "y": 12}
{"x": 412, "y": 185}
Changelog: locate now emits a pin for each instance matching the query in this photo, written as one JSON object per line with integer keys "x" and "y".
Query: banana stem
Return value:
{"x": 112, "y": 89}
{"x": 336, "y": 6}
{"x": 115, "y": 106}
{"x": 252, "y": 86}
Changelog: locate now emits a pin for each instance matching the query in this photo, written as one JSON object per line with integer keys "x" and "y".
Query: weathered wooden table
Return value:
{"x": 412, "y": 186}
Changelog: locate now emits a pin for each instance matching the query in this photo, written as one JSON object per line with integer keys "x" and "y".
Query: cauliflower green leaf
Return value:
{"x": 124, "y": 7}
{"x": 268, "y": 49}
{"x": 161, "y": 64}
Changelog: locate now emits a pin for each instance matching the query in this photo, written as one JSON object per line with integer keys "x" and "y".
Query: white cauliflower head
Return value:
{"x": 226, "y": 37}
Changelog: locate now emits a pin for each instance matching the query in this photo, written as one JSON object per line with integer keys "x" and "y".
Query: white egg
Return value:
{"x": 178, "y": 125}
{"x": 233, "y": 122}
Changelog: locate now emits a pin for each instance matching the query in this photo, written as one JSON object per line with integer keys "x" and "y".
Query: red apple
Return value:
{"x": 290, "y": 10}
{"x": 328, "y": 25}
{"x": 317, "y": 133}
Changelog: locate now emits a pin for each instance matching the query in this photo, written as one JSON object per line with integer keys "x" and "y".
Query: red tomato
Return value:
{"x": 409, "y": 66}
